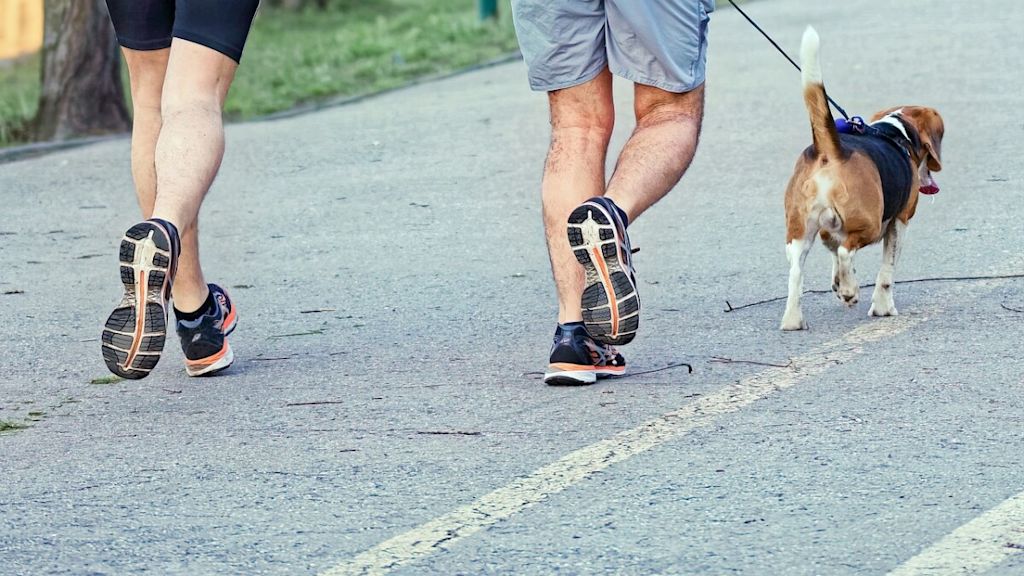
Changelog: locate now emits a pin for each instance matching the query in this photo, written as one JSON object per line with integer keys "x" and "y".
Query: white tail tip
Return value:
{"x": 809, "y": 63}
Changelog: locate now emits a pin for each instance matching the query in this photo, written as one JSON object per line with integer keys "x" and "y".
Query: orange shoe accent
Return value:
{"x": 572, "y": 367}
{"x": 209, "y": 359}
{"x": 584, "y": 367}
{"x": 613, "y": 304}
{"x": 140, "y": 320}
{"x": 231, "y": 317}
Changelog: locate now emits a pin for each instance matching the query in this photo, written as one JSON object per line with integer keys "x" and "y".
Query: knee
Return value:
{"x": 175, "y": 103}
{"x": 189, "y": 96}
{"x": 654, "y": 106}
{"x": 595, "y": 123}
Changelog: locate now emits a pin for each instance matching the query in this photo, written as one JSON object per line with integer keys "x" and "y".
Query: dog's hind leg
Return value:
{"x": 848, "y": 286}
{"x": 835, "y": 272}
{"x": 882, "y": 303}
{"x": 796, "y": 251}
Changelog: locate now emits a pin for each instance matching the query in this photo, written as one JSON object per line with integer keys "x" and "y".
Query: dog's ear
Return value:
{"x": 931, "y": 139}
{"x": 931, "y": 128}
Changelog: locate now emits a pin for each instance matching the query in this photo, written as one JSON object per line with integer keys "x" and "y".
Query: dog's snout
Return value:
{"x": 850, "y": 298}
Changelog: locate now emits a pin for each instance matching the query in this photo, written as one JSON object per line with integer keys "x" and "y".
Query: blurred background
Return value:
{"x": 61, "y": 74}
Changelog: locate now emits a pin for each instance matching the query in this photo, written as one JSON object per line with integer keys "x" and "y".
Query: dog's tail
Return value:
{"x": 823, "y": 126}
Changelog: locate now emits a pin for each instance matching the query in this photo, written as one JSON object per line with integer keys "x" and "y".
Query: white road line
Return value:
{"x": 441, "y": 533}
{"x": 974, "y": 547}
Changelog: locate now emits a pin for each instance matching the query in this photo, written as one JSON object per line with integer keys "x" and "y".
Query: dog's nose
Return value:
{"x": 850, "y": 298}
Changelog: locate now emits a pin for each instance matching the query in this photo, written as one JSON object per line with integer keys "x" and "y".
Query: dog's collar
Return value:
{"x": 899, "y": 131}
{"x": 894, "y": 130}
{"x": 891, "y": 128}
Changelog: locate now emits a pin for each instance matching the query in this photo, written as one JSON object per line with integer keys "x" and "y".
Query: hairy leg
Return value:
{"x": 660, "y": 149}
{"x": 146, "y": 70}
{"x": 582, "y": 118}
{"x": 189, "y": 151}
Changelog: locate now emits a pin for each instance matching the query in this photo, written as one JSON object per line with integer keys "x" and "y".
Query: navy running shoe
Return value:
{"x": 204, "y": 339}
{"x": 577, "y": 359}
{"x": 133, "y": 336}
{"x": 610, "y": 303}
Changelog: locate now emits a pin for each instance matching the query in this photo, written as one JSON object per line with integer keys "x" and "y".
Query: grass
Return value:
{"x": 291, "y": 58}
{"x": 19, "y": 95}
{"x": 105, "y": 380}
{"x": 9, "y": 426}
{"x": 357, "y": 47}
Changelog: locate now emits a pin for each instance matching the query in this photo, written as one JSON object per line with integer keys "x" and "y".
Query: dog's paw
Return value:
{"x": 790, "y": 324}
{"x": 881, "y": 310}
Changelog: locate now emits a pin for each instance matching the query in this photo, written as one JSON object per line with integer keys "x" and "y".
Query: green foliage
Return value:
{"x": 295, "y": 56}
{"x": 358, "y": 47}
{"x": 19, "y": 96}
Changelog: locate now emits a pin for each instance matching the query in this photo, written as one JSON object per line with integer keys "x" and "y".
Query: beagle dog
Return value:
{"x": 854, "y": 189}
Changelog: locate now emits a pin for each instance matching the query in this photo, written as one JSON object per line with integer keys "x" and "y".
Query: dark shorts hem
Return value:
{"x": 157, "y": 44}
{"x": 230, "y": 51}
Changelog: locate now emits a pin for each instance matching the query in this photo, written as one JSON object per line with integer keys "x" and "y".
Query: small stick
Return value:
{"x": 316, "y": 403}
{"x": 311, "y": 332}
{"x": 722, "y": 360}
{"x": 689, "y": 369}
{"x": 318, "y": 310}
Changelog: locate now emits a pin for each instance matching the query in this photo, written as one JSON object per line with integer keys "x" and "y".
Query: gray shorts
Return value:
{"x": 660, "y": 43}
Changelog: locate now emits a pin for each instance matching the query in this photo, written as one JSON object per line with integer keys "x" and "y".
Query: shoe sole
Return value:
{"x": 592, "y": 238}
{"x": 581, "y": 377}
{"x": 134, "y": 334}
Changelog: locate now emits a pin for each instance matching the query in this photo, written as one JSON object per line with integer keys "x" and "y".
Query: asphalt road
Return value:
{"x": 385, "y": 412}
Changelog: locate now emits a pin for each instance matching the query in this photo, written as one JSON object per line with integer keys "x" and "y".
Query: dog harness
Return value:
{"x": 890, "y": 150}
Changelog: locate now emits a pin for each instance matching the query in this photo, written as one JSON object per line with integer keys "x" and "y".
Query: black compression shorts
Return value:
{"x": 221, "y": 25}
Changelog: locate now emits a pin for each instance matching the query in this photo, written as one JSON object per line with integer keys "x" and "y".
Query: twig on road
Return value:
{"x": 689, "y": 369}
{"x": 1005, "y": 307}
{"x": 318, "y": 310}
{"x": 311, "y": 332}
{"x": 448, "y": 433}
{"x": 731, "y": 308}
{"x": 722, "y": 360}
{"x": 314, "y": 403}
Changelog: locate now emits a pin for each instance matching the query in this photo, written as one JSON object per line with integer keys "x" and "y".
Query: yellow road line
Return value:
{"x": 974, "y": 547}
{"x": 443, "y": 532}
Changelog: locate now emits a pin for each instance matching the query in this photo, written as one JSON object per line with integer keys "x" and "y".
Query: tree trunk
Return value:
{"x": 82, "y": 93}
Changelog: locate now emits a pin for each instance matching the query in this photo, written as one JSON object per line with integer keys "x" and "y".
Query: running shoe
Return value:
{"x": 611, "y": 305}
{"x": 134, "y": 334}
{"x": 577, "y": 359}
{"x": 204, "y": 339}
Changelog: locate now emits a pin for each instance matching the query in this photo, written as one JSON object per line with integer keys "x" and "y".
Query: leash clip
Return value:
{"x": 854, "y": 125}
